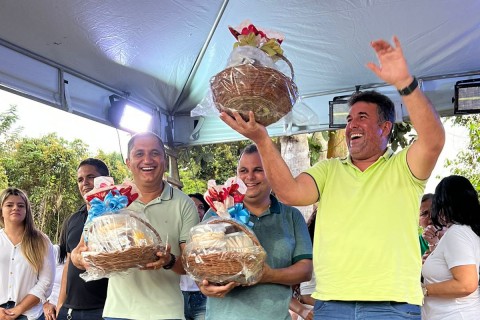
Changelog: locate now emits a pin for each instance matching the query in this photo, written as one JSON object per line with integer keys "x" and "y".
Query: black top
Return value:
{"x": 81, "y": 294}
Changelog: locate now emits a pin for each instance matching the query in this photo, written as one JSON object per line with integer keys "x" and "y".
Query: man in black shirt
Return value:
{"x": 78, "y": 299}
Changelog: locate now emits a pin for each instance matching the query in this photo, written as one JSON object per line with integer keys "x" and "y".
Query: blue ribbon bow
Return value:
{"x": 239, "y": 213}
{"x": 113, "y": 202}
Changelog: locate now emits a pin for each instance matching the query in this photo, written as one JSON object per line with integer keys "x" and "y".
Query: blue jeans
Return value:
{"x": 194, "y": 304}
{"x": 80, "y": 314}
{"x": 356, "y": 310}
{"x": 10, "y": 305}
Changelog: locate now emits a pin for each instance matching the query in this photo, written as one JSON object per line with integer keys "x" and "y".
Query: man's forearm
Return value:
{"x": 424, "y": 118}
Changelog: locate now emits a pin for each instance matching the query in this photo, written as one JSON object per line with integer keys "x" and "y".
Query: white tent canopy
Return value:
{"x": 74, "y": 54}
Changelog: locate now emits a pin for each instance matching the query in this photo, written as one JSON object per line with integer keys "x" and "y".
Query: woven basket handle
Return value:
{"x": 288, "y": 63}
{"x": 240, "y": 226}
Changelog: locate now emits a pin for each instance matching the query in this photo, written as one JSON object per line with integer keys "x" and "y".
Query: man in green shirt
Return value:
{"x": 366, "y": 259}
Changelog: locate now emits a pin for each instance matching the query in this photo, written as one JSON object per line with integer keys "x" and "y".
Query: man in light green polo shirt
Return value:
{"x": 366, "y": 246}
{"x": 154, "y": 292}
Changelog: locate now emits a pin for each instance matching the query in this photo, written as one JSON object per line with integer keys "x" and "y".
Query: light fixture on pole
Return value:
{"x": 338, "y": 112}
{"x": 125, "y": 115}
{"x": 467, "y": 97}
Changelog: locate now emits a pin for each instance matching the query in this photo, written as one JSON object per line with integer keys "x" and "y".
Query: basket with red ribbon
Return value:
{"x": 223, "y": 248}
{"x": 117, "y": 238}
{"x": 252, "y": 80}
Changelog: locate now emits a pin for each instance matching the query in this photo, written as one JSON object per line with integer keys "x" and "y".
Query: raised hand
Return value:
{"x": 250, "y": 129}
{"x": 392, "y": 67}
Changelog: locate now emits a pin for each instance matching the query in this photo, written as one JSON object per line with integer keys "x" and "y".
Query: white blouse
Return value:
{"x": 53, "y": 298}
{"x": 18, "y": 278}
{"x": 459, "y": 246}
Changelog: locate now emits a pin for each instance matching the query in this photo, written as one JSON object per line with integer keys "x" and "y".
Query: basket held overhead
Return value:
{"x": 253, "y": 87}
{"x": 251, "y": 81}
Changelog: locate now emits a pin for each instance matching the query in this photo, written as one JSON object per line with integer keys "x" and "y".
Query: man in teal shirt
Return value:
{"x": 282, "y": 232}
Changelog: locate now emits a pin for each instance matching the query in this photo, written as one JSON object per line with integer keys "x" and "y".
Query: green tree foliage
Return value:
{"x": 467, "y": 162}
{"x": 317, "y": 144}
{"x": 7, "y": 120}
{"x": 8, "y": 135}
{"x": 46, "y": 169}
{"x": 401, "y": 135}
{"x": 198, "y": 164}
{"x": 116, "y": 165}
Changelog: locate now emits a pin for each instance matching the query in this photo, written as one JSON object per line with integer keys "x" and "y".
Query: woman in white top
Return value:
{"x": 451, "y": 271}
{"x": 27, "y": 266}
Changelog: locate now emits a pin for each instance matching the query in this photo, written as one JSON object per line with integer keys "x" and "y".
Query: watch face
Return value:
{"x": 425, "y": 291}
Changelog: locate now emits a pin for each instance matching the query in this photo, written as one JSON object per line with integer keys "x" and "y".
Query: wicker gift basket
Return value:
{"x": 118, "y": 239}
{"x": 251, "y": 80}
{"x": 267, "y": 92}
{"x": 223, "y": 250}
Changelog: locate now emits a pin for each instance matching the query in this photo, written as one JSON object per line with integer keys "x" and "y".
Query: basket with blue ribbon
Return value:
{"x": 223, "y": 248}
{"x": 117, "y": 238}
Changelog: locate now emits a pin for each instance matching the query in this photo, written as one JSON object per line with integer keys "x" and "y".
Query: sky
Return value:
{"x": 38, "y": 120}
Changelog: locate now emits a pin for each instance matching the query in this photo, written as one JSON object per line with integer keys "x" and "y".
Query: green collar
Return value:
{"x": 386, "y": 155}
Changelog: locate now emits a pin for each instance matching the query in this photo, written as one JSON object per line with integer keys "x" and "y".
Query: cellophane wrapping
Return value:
{"x": 252, "y": 80}
{"x": 118, "y": 242}
{"x": 221, "y": 251}
{"x": 117, "y": 238}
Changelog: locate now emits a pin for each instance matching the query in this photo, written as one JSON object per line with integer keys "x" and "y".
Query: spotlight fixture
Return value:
{"x": 338, "y": 112}
{"x": 127, "y": 116}
{"x": 467, "y": 97}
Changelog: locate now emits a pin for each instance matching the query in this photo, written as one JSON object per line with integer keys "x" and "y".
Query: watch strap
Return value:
{"x": 171, "y": 263}
{"x": 409, "y": 89}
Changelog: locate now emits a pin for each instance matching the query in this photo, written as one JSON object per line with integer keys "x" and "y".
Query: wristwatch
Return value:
{"x": 171, "y": 263}
{"x": 409, "y": 89}
{"x": 424, "y": 290}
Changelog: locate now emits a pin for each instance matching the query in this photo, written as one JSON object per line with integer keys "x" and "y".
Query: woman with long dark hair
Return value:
{"x": 451, "y": 271}
{"x": 27, "y": 266}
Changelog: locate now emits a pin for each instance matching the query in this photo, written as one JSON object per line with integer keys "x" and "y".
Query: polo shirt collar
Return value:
{"x": 167, "y": 193}
{"x": 274, "y": 205}
{"x": 273, "y": 208}
{"x": 386, "y": 155}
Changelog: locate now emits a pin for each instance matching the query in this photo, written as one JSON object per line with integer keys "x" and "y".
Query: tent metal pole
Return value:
{"x": 378, "y": 85}
{"x": 201, "y": 54}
